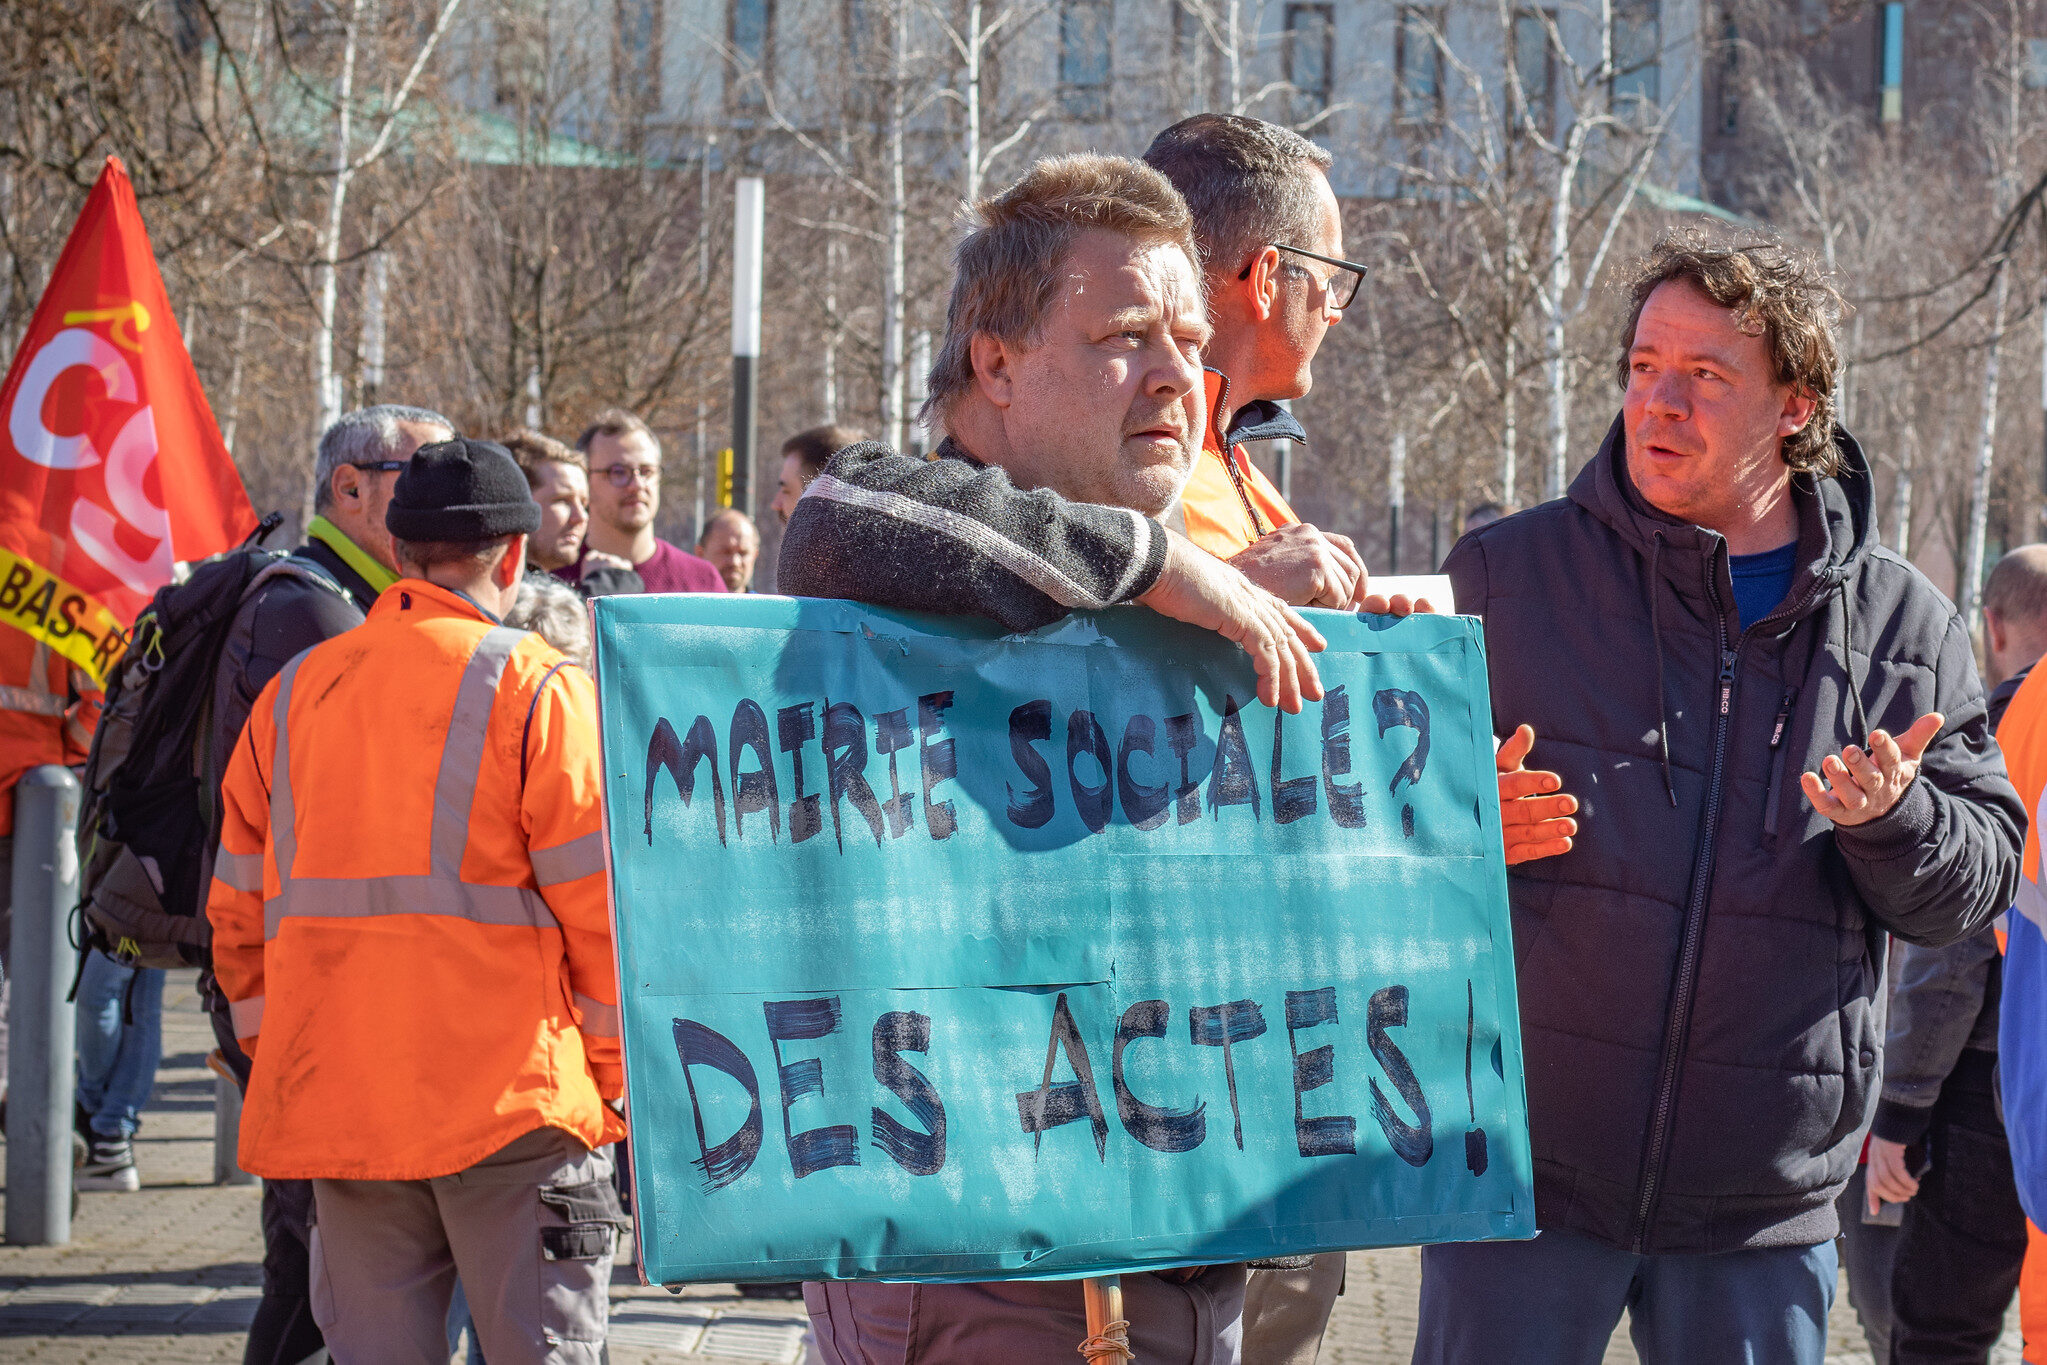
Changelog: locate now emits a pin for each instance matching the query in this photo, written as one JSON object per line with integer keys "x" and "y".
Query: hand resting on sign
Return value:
{"x": 1203, "y": 591}
{"x": 1857, "y": 786}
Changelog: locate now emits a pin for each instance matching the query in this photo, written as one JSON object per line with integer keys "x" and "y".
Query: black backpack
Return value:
{"x": 147, "y": 821}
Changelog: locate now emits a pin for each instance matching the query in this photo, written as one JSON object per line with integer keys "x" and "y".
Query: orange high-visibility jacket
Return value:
{"x": 409, "y": 911}
{"x": 47, "y": 713}
{"x": 1226, "y": 498}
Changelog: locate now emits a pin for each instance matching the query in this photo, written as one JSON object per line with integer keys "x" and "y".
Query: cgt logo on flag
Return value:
{"x": 111, "y": 467}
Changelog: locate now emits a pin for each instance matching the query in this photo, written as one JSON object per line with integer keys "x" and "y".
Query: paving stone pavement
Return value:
{"x": 170, "y": 1274}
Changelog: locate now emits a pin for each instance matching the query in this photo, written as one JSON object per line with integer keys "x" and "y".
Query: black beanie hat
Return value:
{"x": 461, "y": 490}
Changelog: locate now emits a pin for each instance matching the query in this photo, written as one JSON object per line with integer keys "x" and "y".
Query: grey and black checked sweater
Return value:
{"x": 954, "y": 535}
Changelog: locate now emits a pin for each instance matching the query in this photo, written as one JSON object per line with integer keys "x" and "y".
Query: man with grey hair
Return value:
{"x": 1271, "y": 239}
{"x": 325, "y": 587}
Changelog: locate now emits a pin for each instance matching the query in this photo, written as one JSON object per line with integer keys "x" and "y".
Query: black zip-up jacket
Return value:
{"x": 1700, "y": 975}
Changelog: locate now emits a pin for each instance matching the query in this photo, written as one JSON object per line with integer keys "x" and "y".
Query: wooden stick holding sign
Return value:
{"x": 1108, "y": 1335}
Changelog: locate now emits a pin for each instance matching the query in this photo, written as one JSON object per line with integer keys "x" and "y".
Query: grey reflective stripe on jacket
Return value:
{"x": 442, "y": 890}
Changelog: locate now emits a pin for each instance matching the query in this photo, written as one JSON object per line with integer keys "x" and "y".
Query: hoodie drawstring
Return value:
{"x": 1656, "y": 632}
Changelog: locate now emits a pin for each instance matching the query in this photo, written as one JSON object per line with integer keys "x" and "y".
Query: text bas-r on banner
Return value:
{"x": 947, "y": 954}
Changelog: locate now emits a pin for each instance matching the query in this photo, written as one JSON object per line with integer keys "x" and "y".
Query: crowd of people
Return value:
{"x": 1773, "y": 787}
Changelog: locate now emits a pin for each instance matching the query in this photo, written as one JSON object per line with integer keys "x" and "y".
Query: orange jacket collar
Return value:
{"x": 430, "y": 600}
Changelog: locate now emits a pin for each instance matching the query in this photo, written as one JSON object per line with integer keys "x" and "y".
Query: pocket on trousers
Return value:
{"x": 579, "y": 1226}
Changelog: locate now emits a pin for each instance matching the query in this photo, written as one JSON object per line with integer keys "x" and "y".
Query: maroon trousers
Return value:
{"x": 1023, "y": 1322}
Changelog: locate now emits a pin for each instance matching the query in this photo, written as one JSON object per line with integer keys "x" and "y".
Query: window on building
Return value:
{"x": 637, "y": 44}
{"x": 1637, "y": 53}
{"x": 750, "y": 31}
{"x": 1418, "y": 64}
{"x": 1310, "y": 53}
{"x": 1535, "y": 66}
{"x": 519, "y": 57}
{"x": 1084, "y": 58}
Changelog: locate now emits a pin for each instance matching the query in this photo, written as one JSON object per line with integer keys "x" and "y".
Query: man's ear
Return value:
{"x": 993, "y": 373}
{"x": 512, "y": 565}
{"x": 345, "y": 483}
{"x": 1799, "y": 406}
{"x": 1261, "y": 287}
{"x": 1993, "y": 631}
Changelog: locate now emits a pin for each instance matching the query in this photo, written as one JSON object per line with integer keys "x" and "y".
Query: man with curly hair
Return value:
{"x": 1781, "y": 749}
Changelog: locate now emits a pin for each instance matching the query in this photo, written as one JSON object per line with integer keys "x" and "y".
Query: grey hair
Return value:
{"x": 1246, "y": 182}
{"x": 364, "y": 436}
{"x": 551, "y": 609}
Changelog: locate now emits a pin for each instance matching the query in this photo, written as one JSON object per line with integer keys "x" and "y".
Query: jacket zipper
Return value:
{"x": 1695, "y": 917}
{"x": 1777, "y": 729}
{"x": 1688, "y": 956}
{"x": 1222, "y": 446}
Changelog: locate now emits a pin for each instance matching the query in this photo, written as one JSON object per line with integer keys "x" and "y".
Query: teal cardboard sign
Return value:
{"x": 946, "y": 954}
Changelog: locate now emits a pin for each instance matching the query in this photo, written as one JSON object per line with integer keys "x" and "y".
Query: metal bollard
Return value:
{"x": 42, "y": 1029}
{"x": 227, "y": 1132}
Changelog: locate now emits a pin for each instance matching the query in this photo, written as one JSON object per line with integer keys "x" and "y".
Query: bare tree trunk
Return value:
{"x": 1558, "y": 365}
{"x": 1986, "y": 450}
{"x": 1509, "y": 472}
{"x": 893, "y": 289}
{"x": 326, "y": 271}
{"x": 234, "y": 374}
{"x": 970, "y": 159}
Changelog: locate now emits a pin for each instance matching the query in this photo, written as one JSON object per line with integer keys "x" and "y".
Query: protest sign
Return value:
{"x": 947, "y": 954}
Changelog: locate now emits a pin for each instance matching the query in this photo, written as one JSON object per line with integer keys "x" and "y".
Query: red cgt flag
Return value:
{"x": 111, "y": 466}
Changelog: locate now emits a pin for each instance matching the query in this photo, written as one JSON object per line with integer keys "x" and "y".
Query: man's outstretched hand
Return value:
{"x": 1196, "y": 587}
{"x": 1535, "y": 811}
{"x": 1858, "y": 786}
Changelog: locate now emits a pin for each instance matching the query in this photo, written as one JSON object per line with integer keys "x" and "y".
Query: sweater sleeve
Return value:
{"x": 1940, "y": 994}
{"x": 1944, "y": 861}
{"x": 561, "y": 804}
{"x": 951, "y": 535}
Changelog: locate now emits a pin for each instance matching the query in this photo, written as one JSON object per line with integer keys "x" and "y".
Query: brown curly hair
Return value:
{"x": 1777, "y": 293}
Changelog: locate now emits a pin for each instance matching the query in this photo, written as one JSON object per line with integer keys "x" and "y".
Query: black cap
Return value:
{"x": 461, "y": 490}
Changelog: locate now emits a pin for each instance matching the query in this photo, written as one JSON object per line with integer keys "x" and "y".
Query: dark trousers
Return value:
{"x": 1557, "y": 1299}
{"x": 1964, "y": 1235}
{"x": 283, "y": 1332}
{"x": 1868, "y": 1251}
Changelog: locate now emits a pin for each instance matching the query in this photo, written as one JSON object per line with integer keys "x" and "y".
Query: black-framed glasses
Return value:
{"x": 379, "y": 466}
{"x": 1343, "y": 285}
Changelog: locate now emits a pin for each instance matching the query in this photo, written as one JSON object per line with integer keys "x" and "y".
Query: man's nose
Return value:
{"x": 1172, "y": 372}
{"x": 1668, "y": 398}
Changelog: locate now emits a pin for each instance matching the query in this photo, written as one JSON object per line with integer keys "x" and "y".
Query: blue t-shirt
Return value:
{"x": 1761, "y": 581}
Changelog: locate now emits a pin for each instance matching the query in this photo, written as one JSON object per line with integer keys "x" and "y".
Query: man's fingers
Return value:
{"x": 1529, "y": 810}
{"x": 1516, "y": 783}
{"x": 1822, "y": 800}
{"x": 1863, "y": 769}
{"x": 1528, "y": 853}
{"x": 1304, "y": 640}
{"x": 1914, "y": 741}
{"x": 1514, "y": 748}
{"x": 1843, "y": 783}
{"x": 1541, "y": 832}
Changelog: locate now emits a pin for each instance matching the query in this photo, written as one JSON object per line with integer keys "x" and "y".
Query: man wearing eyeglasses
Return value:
{"x": 625, "y": 493}
{"x": 326, "y": 587}
{"x": 1271, "y": 239}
